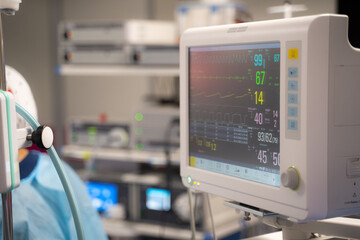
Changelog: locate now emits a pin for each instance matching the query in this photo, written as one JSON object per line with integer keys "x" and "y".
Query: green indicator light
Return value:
{"x": 92, "y": 130}
{"x": 139, "y": 131}
{"x": 139, "y": 146}
{"x": 139, "y": 117}
{"x": 189, "y": 180}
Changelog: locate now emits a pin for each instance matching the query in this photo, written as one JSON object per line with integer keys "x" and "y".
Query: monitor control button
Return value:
{"x": 189, "y": 180}
{"x": 291, "y": 178}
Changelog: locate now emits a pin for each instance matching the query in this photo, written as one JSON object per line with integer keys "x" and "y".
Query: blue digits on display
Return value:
{"x": 258, "y": 60}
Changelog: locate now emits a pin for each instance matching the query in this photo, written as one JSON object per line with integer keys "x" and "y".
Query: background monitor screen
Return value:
{"x": 234, "y": 110}
{"x": 158, "y": 199}
{"x": 103, "y": 195}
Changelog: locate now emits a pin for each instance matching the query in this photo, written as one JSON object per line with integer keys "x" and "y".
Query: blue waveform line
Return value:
{"x": 221, "y": 59}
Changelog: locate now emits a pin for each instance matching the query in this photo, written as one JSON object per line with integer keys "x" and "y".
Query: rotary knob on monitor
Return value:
{"x": 291, "y": 178}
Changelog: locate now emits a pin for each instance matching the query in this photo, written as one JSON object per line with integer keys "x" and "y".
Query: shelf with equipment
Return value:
{"x": 148, "y": 157}
{"x": 117, "y": 70}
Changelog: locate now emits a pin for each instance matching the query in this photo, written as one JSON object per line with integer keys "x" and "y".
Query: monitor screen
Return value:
{"x": 103, "y": 195}
{"x": 234, "y": 110}
{"x": 158, "y": 199}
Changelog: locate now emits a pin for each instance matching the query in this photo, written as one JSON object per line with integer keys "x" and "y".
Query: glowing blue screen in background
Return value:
{"x": 103, "y": 195}
{"x": 158, "y": 199}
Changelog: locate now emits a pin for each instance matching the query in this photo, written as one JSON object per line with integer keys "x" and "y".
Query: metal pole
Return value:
{"x": 6, "y": 197}
{"x": 7, "y": 216}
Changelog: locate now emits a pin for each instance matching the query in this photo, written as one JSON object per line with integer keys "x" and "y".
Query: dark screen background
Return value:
{"x": 234, "y": 104}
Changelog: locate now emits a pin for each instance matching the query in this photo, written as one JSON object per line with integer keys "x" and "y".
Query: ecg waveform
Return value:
{"x": 222, "y": 77}
{"x": 222, "y": 96}
{"x": 221, "y": 59}
{"x": 226, "y": 58}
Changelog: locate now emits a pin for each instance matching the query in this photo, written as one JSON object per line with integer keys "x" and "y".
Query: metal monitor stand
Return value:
{"x": 335, "y": 227}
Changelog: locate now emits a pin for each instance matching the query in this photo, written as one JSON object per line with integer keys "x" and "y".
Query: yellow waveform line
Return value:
{"x": 227, "y": 96}
{"x": 213, "y": 95}
{"x": 198, "y": 94}
{"x": 218, "y": 94}
{"x": 244, "y": 95}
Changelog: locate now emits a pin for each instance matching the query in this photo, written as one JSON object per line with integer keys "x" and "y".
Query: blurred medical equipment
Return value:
{"x": 113, "y": 54}
{"x": 208, "y": 13}
{"x": 42, "y": 136}
{"x": 103, "y": 195}
{"x": 145, "y": 201}
{"x": 288, "y": 8}
{"x": 156, "y": 55}
{"x": 253, "y": 91}
{"x": 151, "y": 128}
{"x": 141, "y": 42}
{"x": 136, "y": 196}
{"x": 136, "y": 32}
{"x": 96, "y": 134}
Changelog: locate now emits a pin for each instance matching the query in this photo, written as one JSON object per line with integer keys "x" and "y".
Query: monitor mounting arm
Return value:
{"x": 335, "y": 227}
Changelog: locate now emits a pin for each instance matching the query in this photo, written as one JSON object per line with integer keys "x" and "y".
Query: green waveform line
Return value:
{"x": 221, "y": 77}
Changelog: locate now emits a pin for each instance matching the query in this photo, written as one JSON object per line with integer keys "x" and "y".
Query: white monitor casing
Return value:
{"x": 326, "y": 148}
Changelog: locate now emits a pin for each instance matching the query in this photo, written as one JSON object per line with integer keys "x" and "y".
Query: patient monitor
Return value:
{"x": 270, "y": 115}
